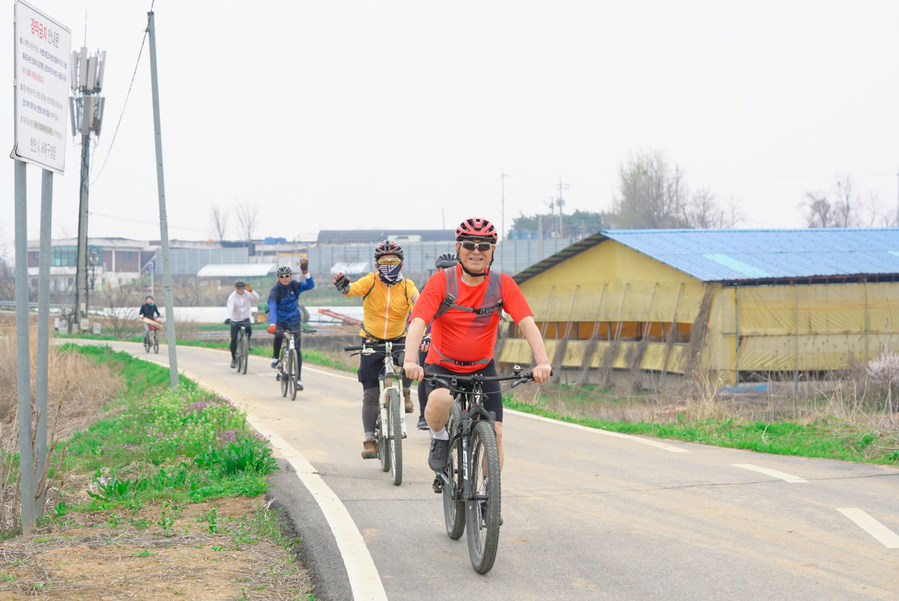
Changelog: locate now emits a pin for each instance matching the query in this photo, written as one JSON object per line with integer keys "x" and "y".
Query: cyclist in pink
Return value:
{"x": 463, "y": 306}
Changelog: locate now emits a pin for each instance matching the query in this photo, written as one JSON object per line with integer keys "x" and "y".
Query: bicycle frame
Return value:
{"x": 389, "y": 378}
{"x": 471, "y": 410}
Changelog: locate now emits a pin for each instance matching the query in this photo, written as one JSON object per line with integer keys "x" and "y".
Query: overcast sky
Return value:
{"x": 360, "y": 114}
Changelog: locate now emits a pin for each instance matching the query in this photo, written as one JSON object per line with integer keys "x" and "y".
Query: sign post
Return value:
{"x": 41, "y": 90}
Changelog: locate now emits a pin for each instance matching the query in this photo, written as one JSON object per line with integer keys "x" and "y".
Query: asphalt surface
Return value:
{"x": 588, "y": 514}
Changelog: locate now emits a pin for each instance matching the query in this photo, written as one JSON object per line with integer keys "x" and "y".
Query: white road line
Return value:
{"x": 768, "y": 472}
{"x": 330, "y": 373}
{"x": 647, "y": 441}
{"x": 363, "y": 575}
{"x": 883, "y": 534}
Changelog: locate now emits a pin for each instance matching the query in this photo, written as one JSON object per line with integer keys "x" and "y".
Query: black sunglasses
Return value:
{"x": 481, "y": 246}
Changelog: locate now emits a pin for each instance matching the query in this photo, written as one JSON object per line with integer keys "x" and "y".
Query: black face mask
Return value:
{"x": 390, "y": 274}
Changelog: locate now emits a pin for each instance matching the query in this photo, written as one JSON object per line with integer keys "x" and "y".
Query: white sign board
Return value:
{"x": 43, "y": 51}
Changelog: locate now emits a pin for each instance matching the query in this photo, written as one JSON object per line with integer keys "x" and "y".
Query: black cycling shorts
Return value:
{"x": 494, "y": 396}
{"x": 370, "y": 366}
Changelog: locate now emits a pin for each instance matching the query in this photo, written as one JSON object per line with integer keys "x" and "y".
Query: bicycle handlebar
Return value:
{"x": 374, "y": 346}
{"x": 452, "y": 381}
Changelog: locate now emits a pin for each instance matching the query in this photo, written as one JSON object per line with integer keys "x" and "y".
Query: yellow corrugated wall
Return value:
{"x": 824, "y": 325}
{"x": 618, "y": 267}
{"x": 628, "y": 284}
{"x": 834, "y": 320}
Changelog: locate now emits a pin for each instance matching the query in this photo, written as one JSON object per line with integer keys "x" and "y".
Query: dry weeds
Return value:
{"x": 122, "y": 554}
{"x": 130, "y": 555}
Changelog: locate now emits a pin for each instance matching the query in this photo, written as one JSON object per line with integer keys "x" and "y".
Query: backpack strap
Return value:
{"x": 494, "y": 290}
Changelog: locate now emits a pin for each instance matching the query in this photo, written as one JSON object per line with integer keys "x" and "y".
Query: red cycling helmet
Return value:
{"x": 388, "y": 247}
{"x": 476, "y": 228}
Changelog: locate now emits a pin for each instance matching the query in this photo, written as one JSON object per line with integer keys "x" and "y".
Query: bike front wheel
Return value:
{"x": 383, "y": 449}
{"x": 395, "y": 434}
{"x": 155, "y": 343}
{"x": 453, "y": 504}
{"x": 147, "y": 342}
{"x": 282, "y": 376}
{"x": 242, "y": 353}
{"x": 292, "y": 366}
{"x": 482, "y": 508}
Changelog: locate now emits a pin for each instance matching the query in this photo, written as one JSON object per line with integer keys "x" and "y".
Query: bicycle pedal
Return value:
{"x": 438, "y": 484}
{"x": 277, "y": 377}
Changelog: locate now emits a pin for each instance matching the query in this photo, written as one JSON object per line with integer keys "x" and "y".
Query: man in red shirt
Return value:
{"x": 462, "y": 342}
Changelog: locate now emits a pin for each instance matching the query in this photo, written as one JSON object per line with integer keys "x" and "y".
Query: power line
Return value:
{"x": 125, "y": 104}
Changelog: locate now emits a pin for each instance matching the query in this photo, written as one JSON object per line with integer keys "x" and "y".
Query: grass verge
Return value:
{"x": 825, "y": 437}
{"x": 171, "y": 480}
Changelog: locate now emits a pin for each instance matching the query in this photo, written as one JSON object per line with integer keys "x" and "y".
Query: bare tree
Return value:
{"x": 843, "y": 207}
{"x": 846, "y": 205}
{"x": 651, "y": 195}
{"x": 818, "y": 210}
{"x": 121, "y": 304}
{"x": 654, "y": 195}
{"x": 218, "y": 222}
{"x": 705, "y": 212}
{"x": 248, "y": 218}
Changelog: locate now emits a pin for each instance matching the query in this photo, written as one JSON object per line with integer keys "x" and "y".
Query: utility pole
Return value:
{"x": 163, "y": 219}
{"x": 559, "y": 203}
{"x": 86, "y": 106}
{"x": 502, "y": 223}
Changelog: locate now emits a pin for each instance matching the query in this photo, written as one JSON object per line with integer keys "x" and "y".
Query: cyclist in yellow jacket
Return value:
{"x": 388, "y": 299}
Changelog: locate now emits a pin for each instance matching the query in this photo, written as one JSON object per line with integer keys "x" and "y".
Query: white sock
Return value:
{"x": 441, "y": 435}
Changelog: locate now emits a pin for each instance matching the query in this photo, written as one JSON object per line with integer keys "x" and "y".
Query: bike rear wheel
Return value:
{"x": 395, "y": 434}
{"x": 242, "y": 353}
{"x": 292, "y": 374}
{"x": 453, "y": 504}
{"x": 482, "y": 508}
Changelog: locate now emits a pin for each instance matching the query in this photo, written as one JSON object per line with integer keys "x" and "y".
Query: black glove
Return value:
{"x": 304, "y": 265}
{"x": 342, "y": 283}
{"x": 228, "y": 321}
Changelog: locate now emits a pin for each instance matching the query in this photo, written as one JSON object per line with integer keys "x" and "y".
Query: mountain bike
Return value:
{"x": 243, "y": 349}
{"x": 470, "y": 482}
{"x": 390, "y": 427}
{"x": 288, "y": 365}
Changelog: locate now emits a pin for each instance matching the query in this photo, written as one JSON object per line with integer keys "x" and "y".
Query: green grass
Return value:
{"x": 181, "y": 445}
{"x": 825, "y": 438}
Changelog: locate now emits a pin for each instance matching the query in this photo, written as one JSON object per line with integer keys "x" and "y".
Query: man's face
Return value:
{"x": 241, "y": 290}
{"x": 149, "y": 300}
{"x": 285, "y": 278}
{"x": 473, "y": 258}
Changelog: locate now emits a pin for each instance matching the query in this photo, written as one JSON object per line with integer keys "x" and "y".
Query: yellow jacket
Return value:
{"x": 386, "y": 307}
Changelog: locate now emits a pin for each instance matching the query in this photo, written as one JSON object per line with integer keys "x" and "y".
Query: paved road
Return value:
{"x": 588, "y": 514}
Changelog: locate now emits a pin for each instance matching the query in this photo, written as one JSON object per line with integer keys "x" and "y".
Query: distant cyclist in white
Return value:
{"x": 240, "y": 307}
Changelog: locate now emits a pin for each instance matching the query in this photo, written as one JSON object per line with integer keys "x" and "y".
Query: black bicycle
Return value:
{"x": 151, "y": 341}
{"x": 470, "y": 483}
{"x": 390, "y": 427}
{"x": 289, "y": 365}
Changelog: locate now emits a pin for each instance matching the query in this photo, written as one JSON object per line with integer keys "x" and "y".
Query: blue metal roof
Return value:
{"x": 723, "y": 255}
